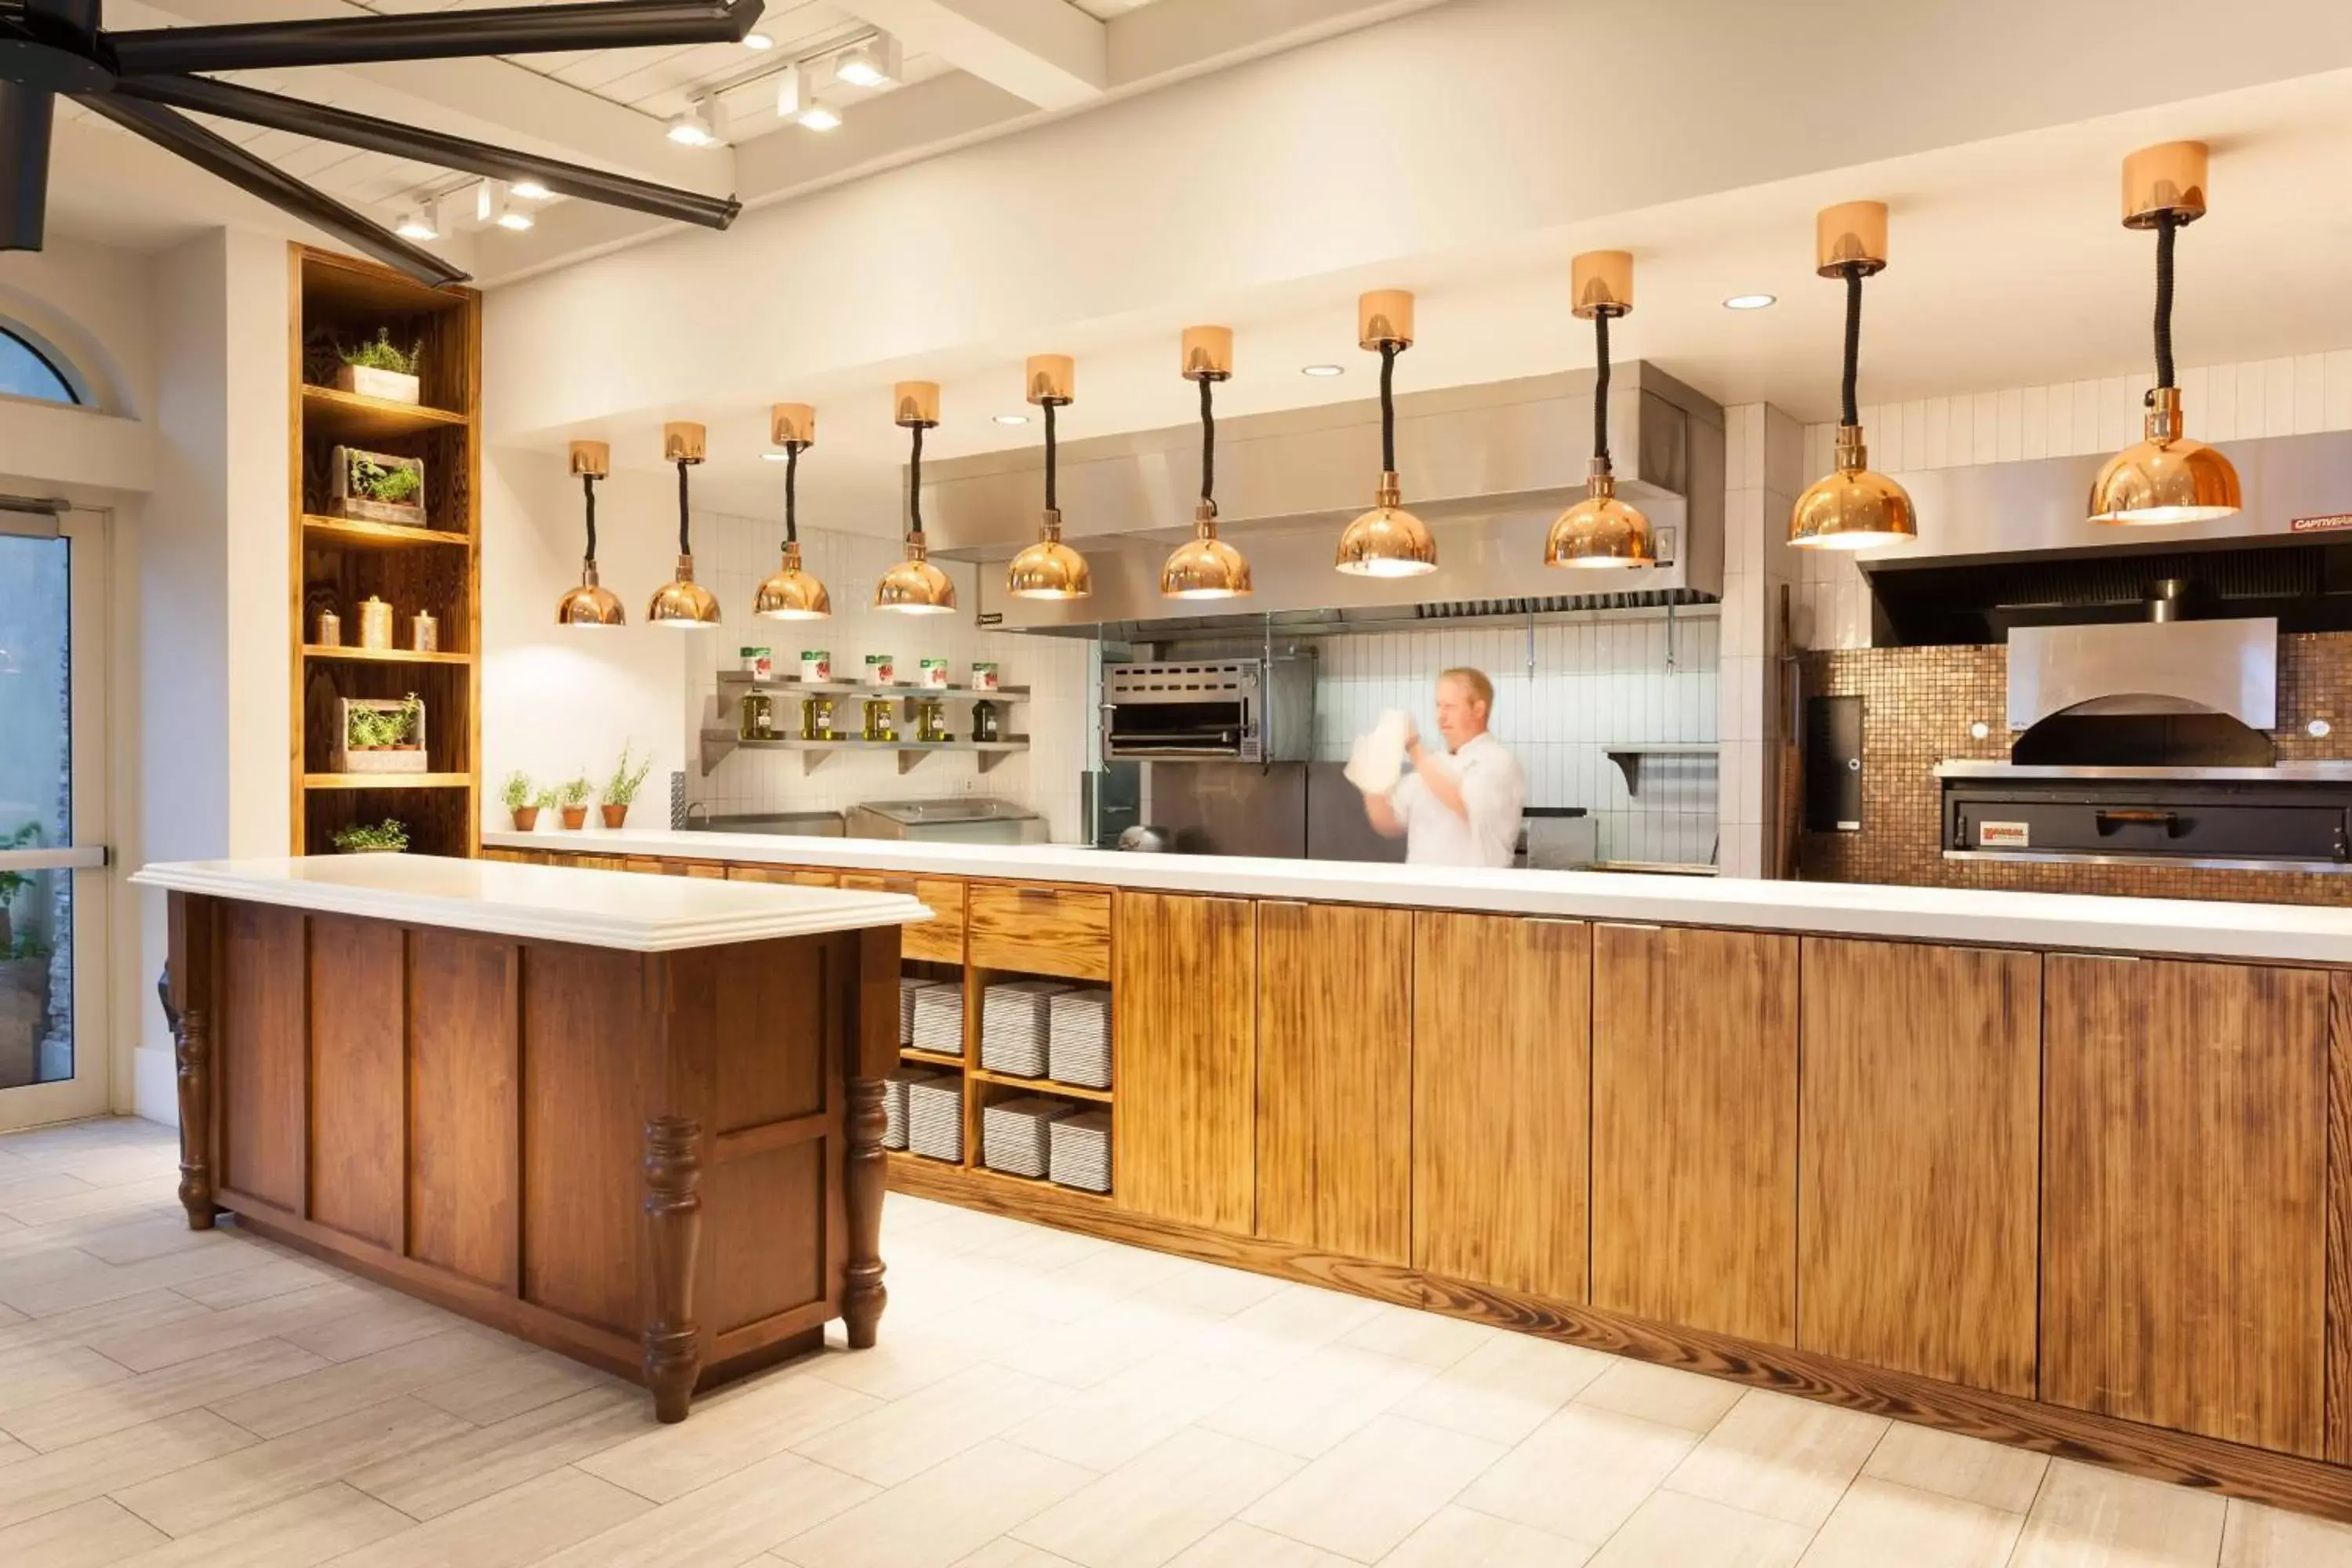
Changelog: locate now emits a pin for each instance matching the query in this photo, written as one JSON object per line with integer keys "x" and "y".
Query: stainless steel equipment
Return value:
{"x": 974, "y": 819}
{"x": 1141, "y": 840}
{"x": 1233, "y": 710}
{"x": 2146, "y": 743}
{"x": 789, "y": 824}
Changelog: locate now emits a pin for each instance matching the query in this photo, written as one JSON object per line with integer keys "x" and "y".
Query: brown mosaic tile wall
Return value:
{"x": 1917, "y": 705}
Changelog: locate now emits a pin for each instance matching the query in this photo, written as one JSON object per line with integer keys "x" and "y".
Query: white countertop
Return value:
{"x": 2194, "y": 928}
{"x": 542, "y": 903}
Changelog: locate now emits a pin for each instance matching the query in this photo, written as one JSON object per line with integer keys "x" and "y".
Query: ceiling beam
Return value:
{"x": 1045, "y": 52}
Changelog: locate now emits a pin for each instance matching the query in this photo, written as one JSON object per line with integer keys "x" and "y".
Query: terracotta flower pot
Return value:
{"x": 615, "y": 815}
{"x": 575, "y": 818}
{"x": 526, "y": 817}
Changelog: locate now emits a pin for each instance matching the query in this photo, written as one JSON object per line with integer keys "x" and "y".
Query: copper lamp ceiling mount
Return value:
{"x": 1388, "y": 541}
{"x": 1601, "y": 532}
{"x": 915, "y": 586}
{"x": 791, "y": 593}
{"x": 1049, "y": 569}
{"x": 591, "y": 605}
{"x": 1204, "y": 566}
{"x": 1856, "y": 508}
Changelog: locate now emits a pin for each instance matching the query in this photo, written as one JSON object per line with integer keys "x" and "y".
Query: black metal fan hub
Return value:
{"x": 52, "y": 68}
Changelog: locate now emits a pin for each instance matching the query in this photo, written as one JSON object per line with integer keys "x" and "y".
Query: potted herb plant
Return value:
{"x": 389, "y": 836}
{"x": 24, "y": 977}
{"x": 376, "y": 487}
{"x": 382, "y": 735}
{"x": 621, "y": 790}
{"x": 520, "y": 804}
{"x": 381, "y": 368}
{"x": 573, "y": 797}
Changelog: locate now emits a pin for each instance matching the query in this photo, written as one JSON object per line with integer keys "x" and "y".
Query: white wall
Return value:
{"x": 1564, "y": 692}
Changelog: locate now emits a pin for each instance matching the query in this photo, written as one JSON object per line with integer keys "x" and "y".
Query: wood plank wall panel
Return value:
{"x": 2340, "y": 1219}
{"x": 1186, "y": 1061}
{"x": 463, "y": 1000}
{"x": 1694, "y": 1128}
{"x": 1335, "y": 1078}
{"x": 774, "y": 1196}
{"x": 1502, "y": 1008}
{"x": 2184, "y": 1161}
{"x": 770, "y": 1004}
{"x": 1919, "y": 1168}
{"x": 592, "y": 1041}
{"x": 264, "y": 1051}
{"x": 359, "y": 1023}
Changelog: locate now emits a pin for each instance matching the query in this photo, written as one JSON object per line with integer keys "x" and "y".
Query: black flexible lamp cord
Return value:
{"x": 792, "y": 492}
{"x": 588, "y": 487}
{"x": 1601, "y": 388}
{"x": 1209, "y": 444}
{"x": 1052, "y": 502}
{"x": 2167, "y": 223}
{"x": 685, "y": 545}
{"x": 1846, "y": 405}
{"x": 915, "y": 485}
{"x": 1389, "y": 350}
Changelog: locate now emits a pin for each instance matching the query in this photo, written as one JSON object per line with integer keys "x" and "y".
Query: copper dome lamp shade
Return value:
{"x": 1388, "y": 541}
{"x": 1856, "y": 508}
{"x": 1050, "y": 569}
{"x": 791, "y": 593}
{"x": 1204, "y": 566}
{"x": 915, "y": 586}
{"x": 682, "y": 604}
{"x": 2165, "y": 477}
{"x": 1601, "y": 532}
{"x": 591, "y": 605}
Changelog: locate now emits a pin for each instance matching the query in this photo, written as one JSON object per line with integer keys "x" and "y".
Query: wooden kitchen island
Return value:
{"x": 639, "y": 1125}
{"x": 2073, "y": 1173}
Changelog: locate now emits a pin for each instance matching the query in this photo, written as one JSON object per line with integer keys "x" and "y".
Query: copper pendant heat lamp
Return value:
{"x": 683, "y": 604}
{"x": 1050, "y": 569}
{"x": 792, "y": 594}
{"x": 915, "y": 586}
{"x": 1204, "y": 566}
{"x": 2165, "y": 477}
{"x": 1388, "y": 541}
{"x": 1601, "y": 532}
{"x": 591, "y": 603}
{"x": 1856, "y": 508}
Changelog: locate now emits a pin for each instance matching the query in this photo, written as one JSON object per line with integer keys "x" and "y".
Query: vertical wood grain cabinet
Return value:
{"x": 1918, "y": 1169}
{"x": 1694, "y": 1128}
{"x": 1187, "y": 1060}
{"x": 1502, "y": 1021}
{"x": 2184, "y": 1153}
{"x": 1334, "y": 1073}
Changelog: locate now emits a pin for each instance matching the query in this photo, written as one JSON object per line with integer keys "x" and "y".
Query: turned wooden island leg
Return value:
{"x": 188, "y": 1006}
{"x": 863, "y": 1296}
{"x": 673, "y": 1340}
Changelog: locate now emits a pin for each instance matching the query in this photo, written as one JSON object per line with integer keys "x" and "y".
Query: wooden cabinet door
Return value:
{"x": 1335, "y": 1071}
{"x": 939, "y": 939}
{"x": 1918, "y": 1170}
{"x": 1694, "y": 1128}
{"x": 2184, "y": 1161}
{"x": 1502, "y": 1021}
{"x": 1039, "y": 930}
{"x": 1186, "y": 1059}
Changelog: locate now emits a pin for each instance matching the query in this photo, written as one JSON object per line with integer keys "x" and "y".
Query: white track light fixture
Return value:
{"x": 873, "y": 63}
{"x": 694, "y": 126}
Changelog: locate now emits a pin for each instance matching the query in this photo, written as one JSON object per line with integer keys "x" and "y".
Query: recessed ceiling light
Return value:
{"x": 870, "y": 64}
{"x": 415, "y": 225}
{"x": 1013, "y": 419}
{"x": 757, "y": 41}
{"x": 1751, "y": 301}
{"x": 1323, "y": 370}
{"x": 531, "y": 190}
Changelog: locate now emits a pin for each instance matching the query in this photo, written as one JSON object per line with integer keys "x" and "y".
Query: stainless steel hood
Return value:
{"x": 1487, "y": 466}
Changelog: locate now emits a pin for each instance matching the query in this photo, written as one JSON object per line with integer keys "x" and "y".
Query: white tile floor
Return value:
{"x": 1039, "y": 1400}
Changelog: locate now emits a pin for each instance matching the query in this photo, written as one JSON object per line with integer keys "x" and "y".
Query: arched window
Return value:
{"x": 26, "y": 371}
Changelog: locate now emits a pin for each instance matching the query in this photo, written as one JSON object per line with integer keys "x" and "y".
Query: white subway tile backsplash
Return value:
{"x": 2310, "y": 394}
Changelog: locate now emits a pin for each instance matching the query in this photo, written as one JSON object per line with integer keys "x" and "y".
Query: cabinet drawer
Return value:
{"x": 788, "y": 875}
{"x": 1043, "y": 931}
{"x": 939, "y": 939}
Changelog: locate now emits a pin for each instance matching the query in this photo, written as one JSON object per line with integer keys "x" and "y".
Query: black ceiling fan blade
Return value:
{"x": 75, "y": 18}
{"x": 279, "y": 112}
{"x": 429, "y": 36}
{"x": 25, "y": 113}
{"x": 176, "y": 133}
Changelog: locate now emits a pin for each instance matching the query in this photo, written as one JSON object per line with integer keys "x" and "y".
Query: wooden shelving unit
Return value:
{"x": 340, "y": 562}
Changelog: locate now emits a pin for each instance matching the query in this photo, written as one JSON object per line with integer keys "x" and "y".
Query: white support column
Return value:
{"x": 1764, "y": 474}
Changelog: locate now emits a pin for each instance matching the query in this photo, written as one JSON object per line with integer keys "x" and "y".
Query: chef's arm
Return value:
{"x": 1382, "y": 812}
{"x": 1443, "y": 783}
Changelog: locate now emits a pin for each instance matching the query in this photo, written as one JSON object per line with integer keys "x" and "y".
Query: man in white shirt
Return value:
{"x": 1461, "y": 808}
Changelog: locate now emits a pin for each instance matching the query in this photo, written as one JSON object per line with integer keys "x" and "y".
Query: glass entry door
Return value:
{"x": 53, "y": 880}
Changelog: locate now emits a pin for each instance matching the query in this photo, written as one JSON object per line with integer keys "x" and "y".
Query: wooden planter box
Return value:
{"x": 342, "y": 502}
{"x": 388, "y": 384}
{"x": 407, "y": 759}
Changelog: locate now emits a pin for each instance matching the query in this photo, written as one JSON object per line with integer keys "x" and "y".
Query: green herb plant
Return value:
{"x": 390, "y": 834}
{"x": 14, "y": 883}
{"x": 577, "y": 791}
{"x": 383, "y": 729}
{"x": 516, "y": 792}
{"x": 622, "y": 788}
{"x": 383, "y": 353}
{"x": 25, "y": 944}
{"x": 392, "y": 484}
{"x": 545, "y": 799}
